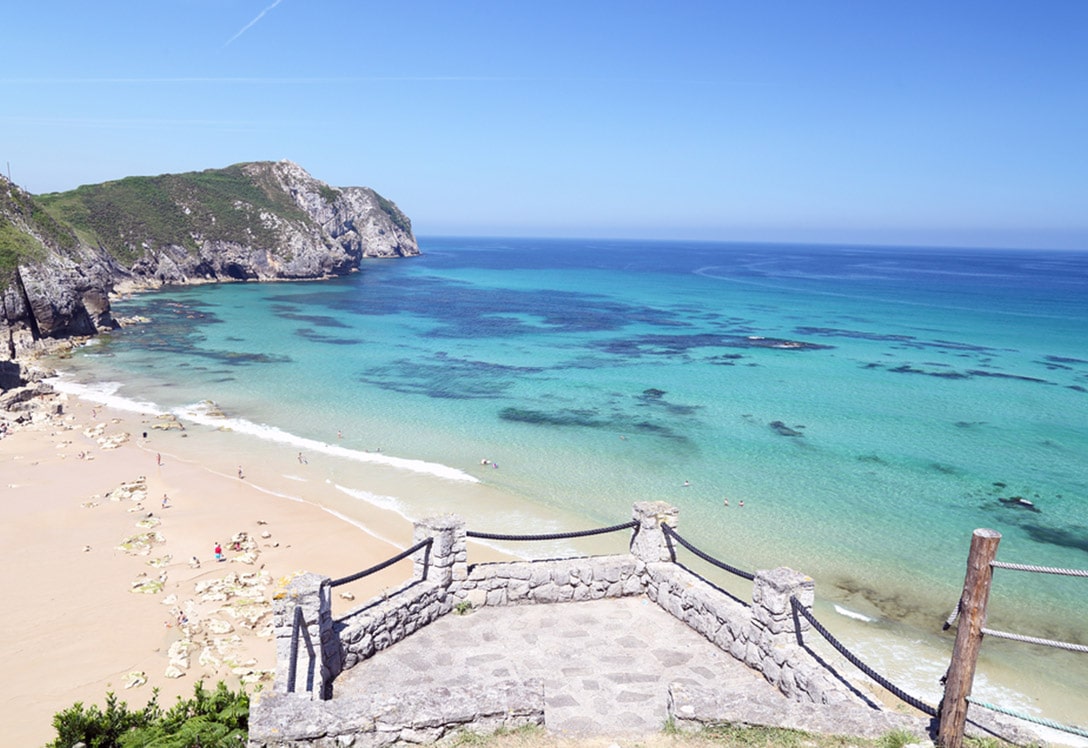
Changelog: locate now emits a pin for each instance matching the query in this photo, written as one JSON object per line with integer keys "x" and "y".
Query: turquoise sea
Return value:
{"x": 870, "y": 406}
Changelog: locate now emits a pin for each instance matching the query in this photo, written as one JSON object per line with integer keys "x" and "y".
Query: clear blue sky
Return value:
{"x": 954, "y": 123}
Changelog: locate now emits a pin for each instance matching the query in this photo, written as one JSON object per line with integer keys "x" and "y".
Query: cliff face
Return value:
{"x": 61, "y": 254}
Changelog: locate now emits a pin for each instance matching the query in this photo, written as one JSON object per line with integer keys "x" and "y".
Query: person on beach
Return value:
{"x": 158, "y": 458}
{"x": 241, "y": 475}
{"x": 165, "y": 501}
{"x": 218, "y": 551}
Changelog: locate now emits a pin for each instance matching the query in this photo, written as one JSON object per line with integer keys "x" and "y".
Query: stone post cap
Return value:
{"x": 784, "y": 578}
{"x": 660, "y": 512}
{"x": 305, "y": 583}
{"x": 441, "y": 522}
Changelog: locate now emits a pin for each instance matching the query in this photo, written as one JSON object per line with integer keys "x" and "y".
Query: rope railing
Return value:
{"x": 986, "y": 541}
{"x": 1071, "y": 729}
{"x": 671, "y": 534}
{"x": 1069, "y": 646}
{"x": 900, "y": 694}
{"x": 1040, "y": 569}
{"x": 552, "y": 536}
{"x": 298, "y": 625}
{"x": 427, "y": 542}
{"x": 1036, "y": 640}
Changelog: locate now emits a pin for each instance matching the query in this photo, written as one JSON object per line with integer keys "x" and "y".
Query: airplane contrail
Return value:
{"x": 250, "y": 25}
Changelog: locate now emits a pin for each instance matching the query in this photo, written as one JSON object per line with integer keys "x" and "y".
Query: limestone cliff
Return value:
{"x": 61, "y": 254}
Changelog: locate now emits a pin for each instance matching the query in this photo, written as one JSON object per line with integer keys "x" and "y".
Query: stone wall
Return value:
{"x": 762, "y": 634}
{"x": 375, "y": 721}
{"x": 552, "y": 581}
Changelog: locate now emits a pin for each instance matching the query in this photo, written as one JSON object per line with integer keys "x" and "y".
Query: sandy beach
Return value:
{"x": 113, "y": 586}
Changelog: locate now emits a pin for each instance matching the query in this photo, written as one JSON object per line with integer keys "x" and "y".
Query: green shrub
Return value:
{"x": 210, "y": 718}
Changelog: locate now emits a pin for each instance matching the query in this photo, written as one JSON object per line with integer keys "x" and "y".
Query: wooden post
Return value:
{"x": 961, "y": 671}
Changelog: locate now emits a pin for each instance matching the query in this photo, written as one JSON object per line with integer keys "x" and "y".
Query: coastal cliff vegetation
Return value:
{"x": 131, "y": 214}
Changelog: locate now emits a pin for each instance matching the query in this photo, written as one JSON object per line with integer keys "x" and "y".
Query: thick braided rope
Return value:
{"x": 1027, "y": 717}
{"x": 952, "y": 617}
{"x": 553, "y": 536}
{"x": 709, "y": 559}
{"x": 841, "y": 649}
{"x": 384, "y": 564}
{"x": 1036, "y": 640}
{"x": 1040, "y": 569}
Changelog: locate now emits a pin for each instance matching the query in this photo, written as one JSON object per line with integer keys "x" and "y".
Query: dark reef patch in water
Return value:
{"x": 904, "y": 341}
{"x": 895, "y": 606}
{"x": 467, "y": 311}
{"x": 1073, "y": 536}
{"x": 782, "y": 429}
{"x": 446, "y": 377}
{"x": 1019, "y": 502}
{"x": 725, "y": 359}
{"x": 676, "y": 345}
{"x": 318, "y": 320}
{"x": 908, "y": 369}
{"x": 592, "y": 419}
{"x": 655, "y": 398}
{"x": 316, "y": 337}
{"x": 1002, "y": 375}
{"x": 1064, "y": 360}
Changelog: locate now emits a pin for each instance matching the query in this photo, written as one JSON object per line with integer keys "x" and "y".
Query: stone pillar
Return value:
{"x": 772, "y": 640}
{"x": 648, "y": 543}
{"x": 312, "y": 594}
{"x": 771, "y": 592}
{"x": 448, "y": 551}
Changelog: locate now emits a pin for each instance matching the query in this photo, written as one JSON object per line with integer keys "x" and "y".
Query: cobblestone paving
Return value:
{"x": 606, "y": 665}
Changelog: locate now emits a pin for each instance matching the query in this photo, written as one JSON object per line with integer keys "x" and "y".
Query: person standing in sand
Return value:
{"x": 218, "y": 551}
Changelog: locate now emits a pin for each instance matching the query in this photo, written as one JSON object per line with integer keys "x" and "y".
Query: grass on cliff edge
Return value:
{"x": 725, "y": 736}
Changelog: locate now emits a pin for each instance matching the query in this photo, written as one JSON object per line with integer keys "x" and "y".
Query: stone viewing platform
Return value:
{"x": 604, "y": 645}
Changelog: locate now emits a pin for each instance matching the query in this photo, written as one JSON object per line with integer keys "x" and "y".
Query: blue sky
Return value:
{"x": 942, "y": 123}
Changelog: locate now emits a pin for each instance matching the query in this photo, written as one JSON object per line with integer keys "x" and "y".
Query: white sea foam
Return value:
{"x": 391, "y": 503}
{"x": 853, "y": 614}
{"x": 201, "y": 413}
{"x": 104, "y": 393}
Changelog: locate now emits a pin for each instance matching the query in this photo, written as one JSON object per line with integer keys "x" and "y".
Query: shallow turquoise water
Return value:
{"x": 870, "y": 406}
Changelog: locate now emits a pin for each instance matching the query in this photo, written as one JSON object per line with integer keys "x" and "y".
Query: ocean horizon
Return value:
{"x": 852, "y": 412}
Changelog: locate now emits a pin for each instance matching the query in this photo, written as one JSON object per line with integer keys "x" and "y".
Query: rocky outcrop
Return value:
{"x": 304, "y": 230}
{"x": 63, "y": 254}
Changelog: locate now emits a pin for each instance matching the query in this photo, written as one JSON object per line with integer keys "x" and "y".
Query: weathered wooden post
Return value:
{"x": 972, "y": 610}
